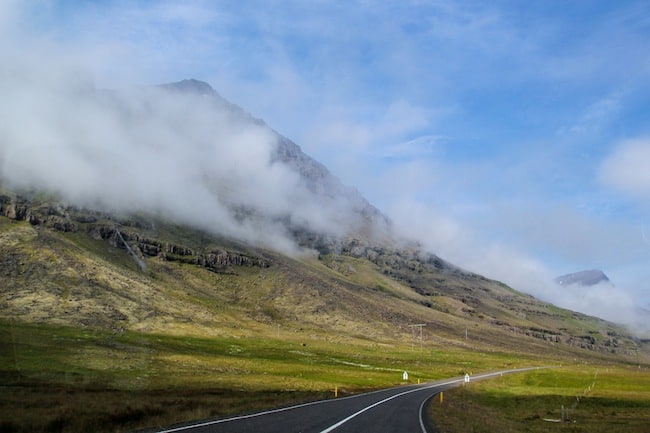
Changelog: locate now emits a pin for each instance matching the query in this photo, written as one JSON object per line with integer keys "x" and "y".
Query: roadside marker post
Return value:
{"x": 442, "y": 397}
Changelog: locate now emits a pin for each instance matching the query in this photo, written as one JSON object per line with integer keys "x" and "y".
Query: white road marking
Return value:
{"x": 338, "y": 424}
{"x": 253, "y": 415}
{"x": 236, "y": 418}
{"x": 424, "y": 429}
{"x": 343, "y": 421}
{"x": 480, "y": 376}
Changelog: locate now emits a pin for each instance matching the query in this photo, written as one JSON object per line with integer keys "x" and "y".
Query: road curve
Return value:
{"x": 393, "y": 410}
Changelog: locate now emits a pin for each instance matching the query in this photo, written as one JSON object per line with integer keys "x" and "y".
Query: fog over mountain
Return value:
{"x": 184, "y": 152}
{"x": 177, "y": 149}
{"x": 593, "y": 291}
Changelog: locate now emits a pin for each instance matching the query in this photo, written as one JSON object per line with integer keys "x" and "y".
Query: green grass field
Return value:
{"x": 67, "y": 379}
{"x": 595, "y": 398}
{"x": 57, "y": 378}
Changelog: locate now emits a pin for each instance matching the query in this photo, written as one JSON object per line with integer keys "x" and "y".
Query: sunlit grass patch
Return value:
{"x": 592, "y": 398}
{"x": 133, "y": 379}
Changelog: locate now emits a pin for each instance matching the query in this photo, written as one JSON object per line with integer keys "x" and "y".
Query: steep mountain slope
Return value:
{"x": 66, "y": 265}
{"x": 182, "y": 151}
{"x": 181, "y": 217}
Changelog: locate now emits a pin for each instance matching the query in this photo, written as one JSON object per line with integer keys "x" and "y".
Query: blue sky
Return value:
{"x": 510, "y": 137}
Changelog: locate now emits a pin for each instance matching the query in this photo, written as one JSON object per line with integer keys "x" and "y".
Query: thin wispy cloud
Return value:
{"x": 627, "y": 168}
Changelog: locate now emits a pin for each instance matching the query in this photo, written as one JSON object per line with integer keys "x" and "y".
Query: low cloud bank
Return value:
{"x": 180, "y": 151}
{"x": 458, "y": 244}
{"x": 602, "y": 300}
{"x": 187, "y": 155}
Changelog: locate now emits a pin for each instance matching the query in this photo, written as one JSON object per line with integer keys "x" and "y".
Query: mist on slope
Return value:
{"x": 193, "y": 160}
{"x": 460, "y": 244}
{"x": 186, "y": 155}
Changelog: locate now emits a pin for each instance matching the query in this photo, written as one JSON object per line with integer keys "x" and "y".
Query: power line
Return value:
{"x": 419, "y": 325}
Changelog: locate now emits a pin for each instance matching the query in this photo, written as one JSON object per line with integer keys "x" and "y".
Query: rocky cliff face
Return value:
{"x": 122, "y": 233}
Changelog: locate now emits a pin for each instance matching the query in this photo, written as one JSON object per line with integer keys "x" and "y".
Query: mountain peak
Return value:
{"x": 190, "y": 85}
{"x": 341, "y": 210}
{"x": 583, "y": 278}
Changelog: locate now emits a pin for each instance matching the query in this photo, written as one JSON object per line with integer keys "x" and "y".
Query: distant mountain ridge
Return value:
{"x": 584, "y": 278}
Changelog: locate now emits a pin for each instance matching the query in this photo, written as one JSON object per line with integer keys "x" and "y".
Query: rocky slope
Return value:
{"x": 67, "y": 265}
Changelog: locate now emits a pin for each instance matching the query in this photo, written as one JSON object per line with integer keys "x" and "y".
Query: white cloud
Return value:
{"x": 462, "y": 246}
{"x": 364, "y": 129}
{"x": 426, "y": 146}
{"x": 626, "y": 169}
{"x": 604, "y": 301}
{"x": 597, "y": 115}
{"x": 183, "y": 155}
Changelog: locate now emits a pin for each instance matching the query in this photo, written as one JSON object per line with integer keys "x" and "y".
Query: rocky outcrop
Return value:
{"x": 215, "y": 260}
{"x": 71, "y": 219}
{"x": 48, "y": 215}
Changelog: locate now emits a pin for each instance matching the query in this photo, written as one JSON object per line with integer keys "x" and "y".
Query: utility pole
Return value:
{"x": 419, "y": 325}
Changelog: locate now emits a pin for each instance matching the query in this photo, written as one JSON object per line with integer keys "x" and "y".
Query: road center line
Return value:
{"x": 343, "y": 421}
{"x": 257, "y": 414}
{"x": 329, "y": 429}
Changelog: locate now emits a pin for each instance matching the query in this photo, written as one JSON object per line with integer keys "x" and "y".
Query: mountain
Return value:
{"x": 205, "y": 202}
{"x": 167, "y": 232}
{"x": 354, "y": 212}
{"x": 182, "y": 151}
{"x": 64, "y": 264}
{"x": 583, "y": 278}
{"x": 203, "y": 192}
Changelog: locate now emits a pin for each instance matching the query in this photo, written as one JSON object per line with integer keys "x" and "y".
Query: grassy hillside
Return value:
{"x": 131, "y": 309}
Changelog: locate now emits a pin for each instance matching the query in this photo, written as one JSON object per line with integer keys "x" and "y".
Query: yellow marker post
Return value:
{"x": 442, "y": 397}
{"x": 336, "y": 391}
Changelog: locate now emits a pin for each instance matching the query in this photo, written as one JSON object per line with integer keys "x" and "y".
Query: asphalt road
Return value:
{"x": 393, "y": 410}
